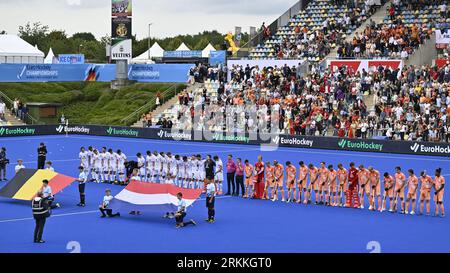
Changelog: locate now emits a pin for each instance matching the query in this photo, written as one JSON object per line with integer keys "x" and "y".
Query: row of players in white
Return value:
{"x": 187, "y": 172}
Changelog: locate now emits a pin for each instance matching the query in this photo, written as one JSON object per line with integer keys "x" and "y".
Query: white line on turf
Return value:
{"x": 81, "y": 212}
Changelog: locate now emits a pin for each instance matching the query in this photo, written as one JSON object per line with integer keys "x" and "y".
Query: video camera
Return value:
{"x": 4, "y": 161}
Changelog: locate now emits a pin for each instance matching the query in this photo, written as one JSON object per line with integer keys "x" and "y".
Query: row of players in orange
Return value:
{"x": 330, "y": 185}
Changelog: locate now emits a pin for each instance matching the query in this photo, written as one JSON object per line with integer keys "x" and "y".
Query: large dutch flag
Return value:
{"x": 152, "y": 197}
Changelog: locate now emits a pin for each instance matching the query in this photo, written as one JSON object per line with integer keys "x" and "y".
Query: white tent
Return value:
{"x": 156, "y": 51}
{"x": 183, "y": 47}
{"x": 50, "y": 59}
{"x": 207, "y": 50}
{"x": 15, "y": 50}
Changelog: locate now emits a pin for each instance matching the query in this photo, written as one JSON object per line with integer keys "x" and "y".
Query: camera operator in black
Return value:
{"x": 3, "y": 162}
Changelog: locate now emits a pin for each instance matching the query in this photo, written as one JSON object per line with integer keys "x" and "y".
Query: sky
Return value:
{"x": 169, "y": 17}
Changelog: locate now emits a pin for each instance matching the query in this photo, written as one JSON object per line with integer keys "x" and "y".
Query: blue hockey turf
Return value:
{"x": 241, "y": 226}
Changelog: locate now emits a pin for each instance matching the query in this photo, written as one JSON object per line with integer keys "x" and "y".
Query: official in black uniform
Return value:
{"x": 42, "y": 156}
{"x": 41, "y": 211}
{"x": 209, "y": 168}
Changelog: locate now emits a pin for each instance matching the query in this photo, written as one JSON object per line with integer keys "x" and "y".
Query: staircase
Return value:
{"x": 378, "y": 18}
{"x": 166, "y": 106}
{"x": 11, "y": 120}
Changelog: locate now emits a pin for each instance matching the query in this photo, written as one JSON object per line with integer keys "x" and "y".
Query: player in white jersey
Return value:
{"x": 157, "y": 170}
{"x": 84, "y": 160}
{"x": 90, "y": 153}
{"x": 104, "y": 166}
{"x": 96, "y": 166}
{"x": 121, "y": 160}
{"x": 141, "y": 166}
{"x": 201, "y": 172}
{"x": 182, "y": 172}
{"x": 149, "y": 167}
{"x": 194, "y": 172}
{"x": 179, "y": 166}
{"x": 218, "y": 174}
{"x": 172, "y": 168}
{"x": 112, "y": 166}
{"x": 164, "y": 168}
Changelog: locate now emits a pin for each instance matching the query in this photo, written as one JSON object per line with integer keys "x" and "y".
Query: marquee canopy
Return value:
{"x": 13, "y": 49}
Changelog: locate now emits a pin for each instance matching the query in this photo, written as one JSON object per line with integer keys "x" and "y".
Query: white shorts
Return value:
{"x": 85, "y": 165}
{"x": 104, "y": 169}
{"x": 218, "y": 177}
{"x": 181, "y": 174}
{"x": 121, "y": 169}
{"x": 98, "y": 168}
{"x": 142, "y": 171}
{"x": 150, "y": 173}
{"x": 164, "y": 172}
{"x": 202, "y": 175}
{"x": 173, "y": 172}
{"x": 196, "y": 176}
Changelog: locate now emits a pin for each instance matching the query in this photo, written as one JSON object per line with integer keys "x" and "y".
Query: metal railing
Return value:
{"x": 28, "y": 119}
{"x": 150, "y": 106}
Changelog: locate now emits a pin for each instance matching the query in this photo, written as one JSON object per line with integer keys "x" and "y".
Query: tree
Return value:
{"x": 85, "y": 36}
{"x": 34, "y": 34}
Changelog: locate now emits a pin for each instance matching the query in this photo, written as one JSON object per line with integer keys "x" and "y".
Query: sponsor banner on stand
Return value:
{"x": 71, "y": 58}
{"x": 173, "y": 73}
{"x": 73, "y": 129}
{"x": 121, "y": 49}
{"x": 442, "y": 38}
{"x": 121, "y": 8}
{"x": 160, "y": 72}
{"x": 354, "y": 66}
{"x": 294, "y": 141}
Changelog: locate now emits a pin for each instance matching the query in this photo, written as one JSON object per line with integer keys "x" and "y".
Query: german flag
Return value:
{"x": 28, "y": 182}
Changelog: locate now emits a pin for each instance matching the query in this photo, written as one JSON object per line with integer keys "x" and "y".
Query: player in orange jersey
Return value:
{"x": 400, "y": 183}
{"x": 248, "y": 172}
{"x": 413, "y": 185}
{"x": 322, "y": 189}
{"x": 313, "y": 184}
{"x": 343, "y": 185}
{"x": 375, "y": 187}
{"x": 278, "y": 182}
{"x": 364, "y": 184}
{"x": 331, "y": 186}
{"x": 302, "y": 180}
{"x": 439, "y": 183}
{"x": 291, "y": 174}
{"x": 388, "y": 191}
{"x": 269, "y": 180}
{"x": 426, "y": 183}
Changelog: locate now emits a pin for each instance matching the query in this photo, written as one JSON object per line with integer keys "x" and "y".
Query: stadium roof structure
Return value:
{"x": 206, "y": 52}
{"x": 13, "y": 49}
{"x": 183, "y": 47}
{"x": 156, "y": 51}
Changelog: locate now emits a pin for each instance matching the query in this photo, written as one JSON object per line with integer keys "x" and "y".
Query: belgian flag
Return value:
{"x": 28, "y": 182}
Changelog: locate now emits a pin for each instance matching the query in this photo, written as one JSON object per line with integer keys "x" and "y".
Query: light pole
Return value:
{"x": 79, "y": 48}
{"x": 149, "y": 28}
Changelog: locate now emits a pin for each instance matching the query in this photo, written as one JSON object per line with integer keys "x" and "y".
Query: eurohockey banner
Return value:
{"x": 267, "y": 142}
{"x": 169, "y": 73}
